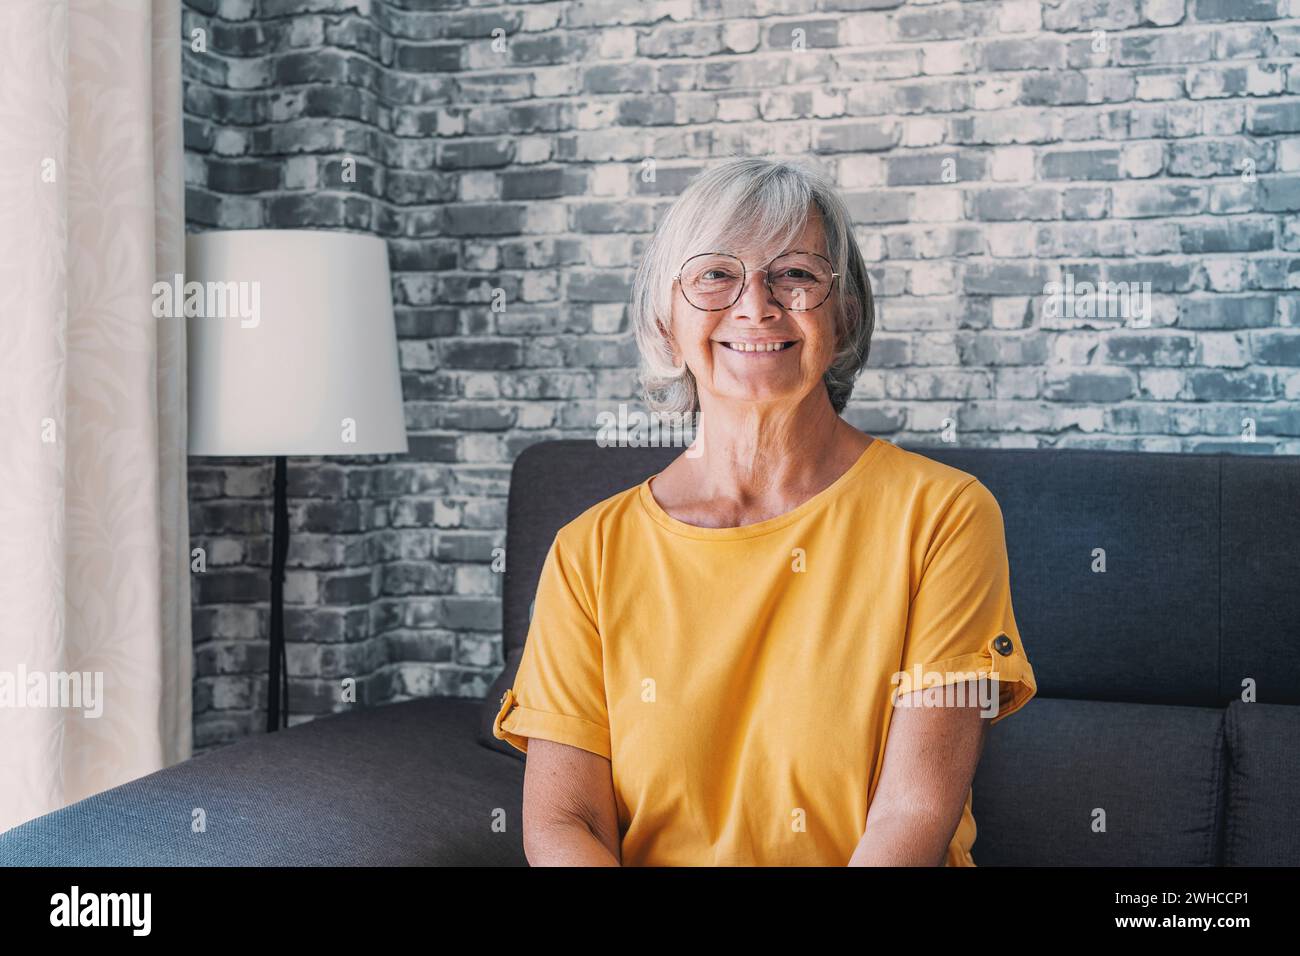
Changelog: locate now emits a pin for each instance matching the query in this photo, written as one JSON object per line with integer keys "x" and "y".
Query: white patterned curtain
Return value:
{"x": 94, "y": 538}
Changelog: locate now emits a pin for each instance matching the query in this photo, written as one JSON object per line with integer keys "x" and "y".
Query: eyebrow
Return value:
{"x": 824, "y": 255}
{"x": 774, "y": 256}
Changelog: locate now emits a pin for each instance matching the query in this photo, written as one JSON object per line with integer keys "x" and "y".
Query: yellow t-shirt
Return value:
{"x": 739, "y": 679}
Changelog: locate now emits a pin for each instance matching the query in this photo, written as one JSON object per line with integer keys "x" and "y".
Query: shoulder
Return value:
{"x": 927, "y": 487}
{"x": 917, "y": 476}
{"x": 586, "y": 534}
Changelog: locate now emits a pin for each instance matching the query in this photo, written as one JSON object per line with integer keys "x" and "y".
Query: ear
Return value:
{"x": 668, "y": 336}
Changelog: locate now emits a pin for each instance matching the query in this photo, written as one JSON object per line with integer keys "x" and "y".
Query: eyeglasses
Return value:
{"x": 800, "y": 281}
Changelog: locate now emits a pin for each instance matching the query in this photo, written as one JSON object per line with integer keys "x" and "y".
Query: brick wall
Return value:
{"x": 517, "y": 156}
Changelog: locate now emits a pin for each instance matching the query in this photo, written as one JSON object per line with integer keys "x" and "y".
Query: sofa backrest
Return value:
{"x": 1135, "y": 664}
{"x": 1202, "y": 583}
{"x": 1202, "y": 556}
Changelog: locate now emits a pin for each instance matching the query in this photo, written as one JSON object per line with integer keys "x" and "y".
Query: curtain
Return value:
{"x": 94, "y": 538}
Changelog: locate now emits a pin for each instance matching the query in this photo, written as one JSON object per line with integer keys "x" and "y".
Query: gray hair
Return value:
{"x": 735, "y": 207}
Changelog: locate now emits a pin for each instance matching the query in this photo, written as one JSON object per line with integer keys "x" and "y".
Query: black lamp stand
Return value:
{"x": 279, "y": 663}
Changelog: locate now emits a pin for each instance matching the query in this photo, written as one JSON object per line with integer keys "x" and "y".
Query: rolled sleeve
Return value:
{"x": 961, "y": 625}
{"x": 1001, "y": 660}
{"x": 515, "y": 724}
{"x": 559, "y": 691}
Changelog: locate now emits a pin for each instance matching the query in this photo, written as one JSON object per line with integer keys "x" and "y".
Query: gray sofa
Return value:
{"x": 1137, "y": 751}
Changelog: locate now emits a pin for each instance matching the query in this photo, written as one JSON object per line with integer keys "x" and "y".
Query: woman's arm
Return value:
{"x": 570, "y": 817}
{"x": 930, "y": 760}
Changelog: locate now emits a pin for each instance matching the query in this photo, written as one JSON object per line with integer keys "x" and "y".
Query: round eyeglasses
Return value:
{"x": 800, "y": 281}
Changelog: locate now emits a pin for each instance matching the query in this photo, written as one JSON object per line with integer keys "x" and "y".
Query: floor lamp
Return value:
{"x": 292, "y": 351}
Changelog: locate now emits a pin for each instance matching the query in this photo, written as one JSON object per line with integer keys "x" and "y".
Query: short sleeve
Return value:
{"x": 961, "y": 623}
{"x": 559, "y": 689}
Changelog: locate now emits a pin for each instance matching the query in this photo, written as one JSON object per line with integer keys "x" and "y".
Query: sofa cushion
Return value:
{"x": 1260, "y": 616}
{"x": 1155, "y": 770}
{"x": 401, "y": 784}
{"x": 1263, "y": 785}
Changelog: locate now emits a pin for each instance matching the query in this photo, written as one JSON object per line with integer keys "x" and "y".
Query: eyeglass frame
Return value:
{"x": 744, "y": 277}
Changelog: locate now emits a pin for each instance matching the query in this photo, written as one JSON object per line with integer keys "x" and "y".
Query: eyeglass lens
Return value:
{"x": 799, "y": 280}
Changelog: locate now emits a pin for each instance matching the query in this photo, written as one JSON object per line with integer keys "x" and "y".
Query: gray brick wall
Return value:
{"x": 517, "y": 157}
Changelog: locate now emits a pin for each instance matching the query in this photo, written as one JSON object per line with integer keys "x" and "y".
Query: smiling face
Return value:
{"x": 757, "y": 350}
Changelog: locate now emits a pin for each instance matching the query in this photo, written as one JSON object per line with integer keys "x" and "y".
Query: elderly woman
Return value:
{"x": 754, "y": 656}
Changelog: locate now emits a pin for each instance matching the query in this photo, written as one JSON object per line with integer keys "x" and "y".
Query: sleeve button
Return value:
{"x": 1002, "y": 644}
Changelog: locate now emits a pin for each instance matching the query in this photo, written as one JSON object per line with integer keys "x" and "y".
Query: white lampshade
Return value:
{"x": 302, "y": 357}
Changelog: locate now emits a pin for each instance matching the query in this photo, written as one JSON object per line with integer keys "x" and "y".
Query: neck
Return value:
{"x": 751, "y": 450}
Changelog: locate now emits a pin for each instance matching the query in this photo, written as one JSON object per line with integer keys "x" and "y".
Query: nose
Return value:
{"x": 756, "y": 300}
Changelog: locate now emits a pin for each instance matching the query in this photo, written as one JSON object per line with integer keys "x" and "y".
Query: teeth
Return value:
{"x": 755, "y": 347}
